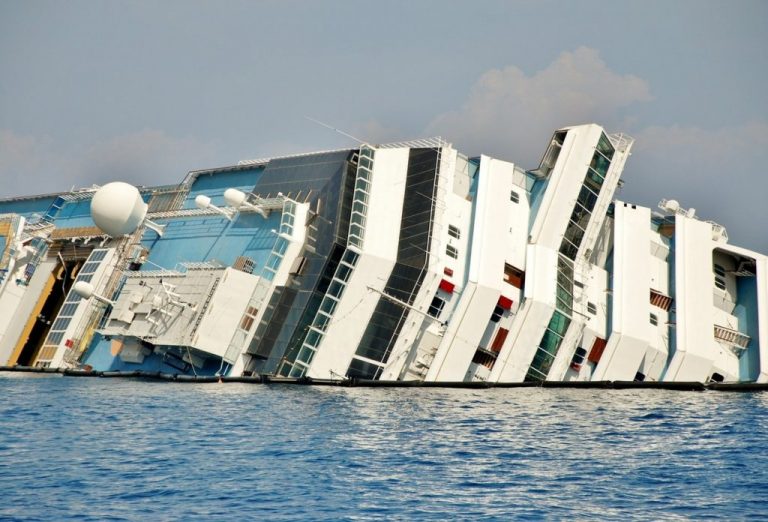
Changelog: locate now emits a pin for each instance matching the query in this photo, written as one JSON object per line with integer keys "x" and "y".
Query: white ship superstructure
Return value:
{"x": 400, "y": 262}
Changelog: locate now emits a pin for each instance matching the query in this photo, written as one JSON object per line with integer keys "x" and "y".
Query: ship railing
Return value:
{"x": 622, "y": 141}
{"x": 435, "y": 142}
{"x": 719, "y": 233}
{"x": 264, "y": 161}
{"x": 432, "y": 142}
{"x": 80, "y": 194}
{"x": 185, "y": 266}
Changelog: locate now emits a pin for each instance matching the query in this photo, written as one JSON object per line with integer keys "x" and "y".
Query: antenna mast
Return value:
{"x": 335, "y": 129}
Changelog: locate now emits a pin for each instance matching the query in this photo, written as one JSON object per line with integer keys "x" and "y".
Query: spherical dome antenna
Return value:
{"x": 673, "y": 205}
{"x": 202, "y": 201}
{"x": 234, "y": 198}
{"x": 118, "y": 209}
{"x": 83, "y": 289}
{"x": 86, "y": 291}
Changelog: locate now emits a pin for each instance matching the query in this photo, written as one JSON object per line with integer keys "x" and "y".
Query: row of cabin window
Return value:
{"x": 719, "y": 277}
{"x": 456, "y": 233}
{"x": 592, "y": 309}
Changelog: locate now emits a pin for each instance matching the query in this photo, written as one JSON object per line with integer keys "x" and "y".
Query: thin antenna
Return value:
{"x": 334, "y": 129}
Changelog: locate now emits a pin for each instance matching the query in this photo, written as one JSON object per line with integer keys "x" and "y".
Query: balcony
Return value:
{"x": 660, "y": 300}
{"x": 735, "y": 338}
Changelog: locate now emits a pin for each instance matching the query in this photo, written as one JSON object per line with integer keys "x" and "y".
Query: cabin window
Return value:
{"x": 454, "y": 232}
{"x": 298, "y": 266}
{"x": 498, "y": 341}
{"x": 591, "y": 308}
{"x": 598, "y": 347}
{"x": 451, "y": 252}
{"x": 497, "y": 312}
{"x": 654, "y": 320}
{"x": 436, "y": 307}
{"x": 247, "y": 321}
{"x": 514, "y": 276}
{"x": 484, "y": 358}
{"x": 514, "y": 197}
{"x": 578, "y": 358}
{"x": 719, "y": 276}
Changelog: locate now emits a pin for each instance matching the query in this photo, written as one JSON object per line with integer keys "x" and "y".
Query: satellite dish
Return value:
{"x": 118, "y": 209}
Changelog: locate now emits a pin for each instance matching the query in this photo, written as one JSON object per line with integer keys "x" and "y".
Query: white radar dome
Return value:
{"x": 202, "y": 201}
{"x": 118, "y": 209}
{"x": 673, "y": 205}
{"x": 83, "y": 289}
{"x": 234, "y": 198}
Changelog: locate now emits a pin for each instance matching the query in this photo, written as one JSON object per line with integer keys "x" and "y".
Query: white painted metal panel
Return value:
{"x": 224, "y": 312}
{"x": 486, "y": 269}
{"x": 696, "y": 347}
{"x": 632, "y": 330}
{"x": 351, "y": 318}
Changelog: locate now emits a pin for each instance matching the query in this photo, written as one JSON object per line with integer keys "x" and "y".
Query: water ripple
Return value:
{"x": 90, "y": 449}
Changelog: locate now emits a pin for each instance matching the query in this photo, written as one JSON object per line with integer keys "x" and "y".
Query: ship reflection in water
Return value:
{"x": 136, "y": 450}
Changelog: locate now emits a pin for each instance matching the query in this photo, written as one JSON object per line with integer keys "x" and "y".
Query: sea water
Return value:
{"x": 116, "y": 449}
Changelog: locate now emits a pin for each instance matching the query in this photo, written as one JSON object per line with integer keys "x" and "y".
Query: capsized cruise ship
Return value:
{"x": 401, "y": 262}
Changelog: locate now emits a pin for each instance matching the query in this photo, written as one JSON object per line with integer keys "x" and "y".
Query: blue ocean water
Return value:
{"x": 115, "y": 449}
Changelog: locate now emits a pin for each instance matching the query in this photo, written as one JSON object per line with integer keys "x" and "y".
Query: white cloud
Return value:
{"x": 720, "y": 172}
{"x": 511, "y": 115}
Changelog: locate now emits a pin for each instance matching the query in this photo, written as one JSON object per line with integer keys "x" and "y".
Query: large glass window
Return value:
{"x": 580, "y": 216}
{"x": 363, "y": 370}
{"x": 559, "y": 323}
{"x": 407, "y": 274}
{"x": 605, "y": 147}
{"x": 551, "y": 155}
{"x": 587, "y": 198}
{"x": 594, "y": 180}
{"x": 571, "y": 241}
{"x": 548, "y": 347}
{"x": 436, "y": 307}
{"x": 600, "y": 164}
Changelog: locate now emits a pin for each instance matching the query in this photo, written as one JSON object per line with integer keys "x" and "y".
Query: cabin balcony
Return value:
{"x": 736, "y": 339}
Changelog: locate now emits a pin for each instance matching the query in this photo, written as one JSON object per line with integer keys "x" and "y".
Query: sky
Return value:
{"x": 97, "y": 91}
